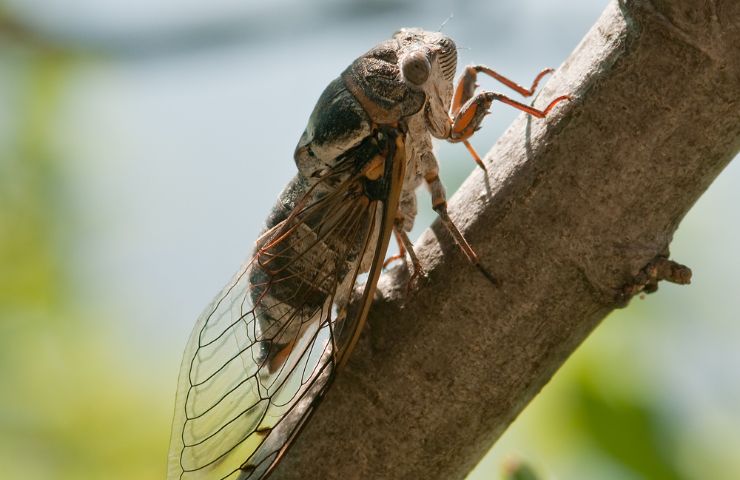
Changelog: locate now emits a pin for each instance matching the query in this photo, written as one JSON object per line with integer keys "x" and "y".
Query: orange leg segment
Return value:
{"x": 405, "y": 247}
{"x": 466, "y": 85}
{"x": 474, "y": 154}
{"x": 525, "y": 92}
{"x": 526, "y": 108}
{"x": 401, "y": 251}
{"x": 470, "y": 116}
{"x": 468, "y": 109}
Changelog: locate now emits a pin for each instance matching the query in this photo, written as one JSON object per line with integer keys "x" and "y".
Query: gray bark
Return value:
{"x": 571, "y": 210}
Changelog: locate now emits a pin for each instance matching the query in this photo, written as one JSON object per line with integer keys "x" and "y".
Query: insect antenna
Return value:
{"x": 450, "y": 17}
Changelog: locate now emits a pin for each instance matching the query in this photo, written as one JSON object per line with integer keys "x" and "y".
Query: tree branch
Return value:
{"x": 573, "y": 213}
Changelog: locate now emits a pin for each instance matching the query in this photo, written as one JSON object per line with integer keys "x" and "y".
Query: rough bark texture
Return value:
{"x": 572, "y": 208}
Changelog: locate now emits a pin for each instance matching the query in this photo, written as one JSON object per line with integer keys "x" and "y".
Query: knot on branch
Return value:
{"x": 646, "y": 280}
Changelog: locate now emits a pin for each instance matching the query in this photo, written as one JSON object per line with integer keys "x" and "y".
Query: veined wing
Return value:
{"x": 264, "y": 352}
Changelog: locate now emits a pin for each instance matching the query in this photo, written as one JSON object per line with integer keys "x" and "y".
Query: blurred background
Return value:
{"x": 141, "y": 146}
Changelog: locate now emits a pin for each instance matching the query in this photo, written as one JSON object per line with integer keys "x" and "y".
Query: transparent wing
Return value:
{"x": 263, "y": 353}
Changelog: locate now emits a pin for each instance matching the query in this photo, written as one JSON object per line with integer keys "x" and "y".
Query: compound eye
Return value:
{"x": 415, "y": 68}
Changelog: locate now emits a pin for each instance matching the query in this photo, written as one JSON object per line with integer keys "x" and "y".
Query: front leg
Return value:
{"x": 470, "y": 116}
{"x": 467, "y": 84}
{"x": 468, "y": 110}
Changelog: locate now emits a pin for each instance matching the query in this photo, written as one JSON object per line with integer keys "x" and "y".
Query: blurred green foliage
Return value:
{"x": 31, "y": 273}
{"x": 68, "y": 408}
{"x": 515, "y": 469}
{"x": 604, "y": 415}
{"x": 626, "y": 428}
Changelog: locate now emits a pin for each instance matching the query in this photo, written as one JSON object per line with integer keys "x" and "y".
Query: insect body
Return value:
{"x": 262, "y": 355}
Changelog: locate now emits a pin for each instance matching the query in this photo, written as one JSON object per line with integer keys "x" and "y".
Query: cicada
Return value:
{"x": 263, "y": 354}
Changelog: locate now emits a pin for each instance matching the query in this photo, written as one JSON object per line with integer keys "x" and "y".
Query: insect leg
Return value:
{"x": 466, "y": 85}
{"x": 465, "y": 108}
{"x": 401, "y": 251}
{"x": 404, "y": 219}
{"x": 406, "y": 245}
{"x": 470, "y": 116}
{"x": 439, "y": 204}
{"x": 462, "y": 243}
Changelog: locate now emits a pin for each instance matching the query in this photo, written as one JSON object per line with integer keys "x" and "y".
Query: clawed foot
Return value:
{"x": 416, "y": 272}
{"x": 418, "y": 276}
